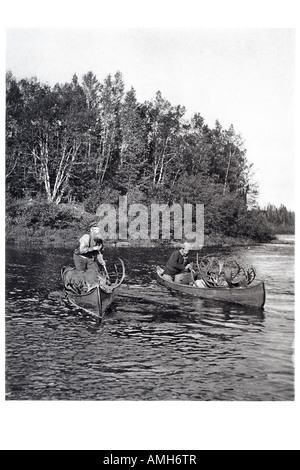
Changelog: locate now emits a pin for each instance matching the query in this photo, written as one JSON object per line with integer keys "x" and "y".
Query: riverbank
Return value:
{"x": 68, "y": 238}
{"x": 33, "y": 221}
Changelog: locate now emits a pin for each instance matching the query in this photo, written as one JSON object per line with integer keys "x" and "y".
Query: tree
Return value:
{"x": 109, "y": 109}
{"x": 133, "y": 168}
{"x": 234, "y": 152}
{"x": 21, "y": 101}
{"x": 92, "y": 90}
{"x": 280, "y": 219}
{"x": 165, "y": 126}
{"x": 56, "y": 123}
{"x": 13, "y": 129}
{"x": 198, "y": 146}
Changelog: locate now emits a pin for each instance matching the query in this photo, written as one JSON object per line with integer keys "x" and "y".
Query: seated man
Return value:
{"x": 178, "y": 266}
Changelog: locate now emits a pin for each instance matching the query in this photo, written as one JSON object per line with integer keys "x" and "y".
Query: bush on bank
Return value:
{"x": 28, "y": 219}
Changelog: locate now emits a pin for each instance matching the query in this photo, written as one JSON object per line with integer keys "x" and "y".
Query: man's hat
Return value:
{"x": 190, "y": 246}
{"x": 93, "y": 224}
{"x": 186, "y": 246}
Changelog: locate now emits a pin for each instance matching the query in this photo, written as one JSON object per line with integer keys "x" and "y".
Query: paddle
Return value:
{"x": 105, "y": 269}
{"x": 102, "y": 262}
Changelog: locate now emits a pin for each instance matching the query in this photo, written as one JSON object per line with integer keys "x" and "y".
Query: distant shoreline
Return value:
{"x": 67, "y": 239}
{"x": 18, "y": 233}
{"x": 284, "y": 239}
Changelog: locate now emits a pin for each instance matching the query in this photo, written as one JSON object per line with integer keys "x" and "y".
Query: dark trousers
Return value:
{"x": 82, "y": 263}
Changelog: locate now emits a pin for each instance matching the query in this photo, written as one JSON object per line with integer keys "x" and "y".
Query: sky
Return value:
{"x": 233, "y": 61}
{"x": 240, "y": 76}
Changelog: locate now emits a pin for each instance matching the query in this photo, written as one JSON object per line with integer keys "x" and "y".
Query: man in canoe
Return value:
{"x": 90, "y": 267}
{"x": 178, "y": 266}
{"x": 89, "y": 254}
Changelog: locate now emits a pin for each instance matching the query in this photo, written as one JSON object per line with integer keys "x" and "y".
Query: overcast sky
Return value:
{"x": 240, "y": 76}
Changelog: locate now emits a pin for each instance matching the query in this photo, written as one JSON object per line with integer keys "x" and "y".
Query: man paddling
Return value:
{"x": 178, "y": 265}
{"x": 88, "y": 255}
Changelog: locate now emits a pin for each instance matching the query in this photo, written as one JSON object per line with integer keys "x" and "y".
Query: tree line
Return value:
{"x": 90, "y": 142}
{"x": 280, "y": 218}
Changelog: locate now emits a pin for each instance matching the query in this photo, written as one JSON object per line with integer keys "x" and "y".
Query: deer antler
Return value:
{"x": 117, "y": 282}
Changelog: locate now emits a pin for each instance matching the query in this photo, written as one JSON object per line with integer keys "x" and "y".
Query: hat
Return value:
{"x": 190, "y": 246}
{"x": 186, "y": 246}
{"x": 93, "y": 224}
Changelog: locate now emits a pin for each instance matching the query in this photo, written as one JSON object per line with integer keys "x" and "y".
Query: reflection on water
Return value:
{"x": 152, "y": 344}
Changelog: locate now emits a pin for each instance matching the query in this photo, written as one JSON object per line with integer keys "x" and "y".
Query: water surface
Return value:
{"x": 152, "y": 344}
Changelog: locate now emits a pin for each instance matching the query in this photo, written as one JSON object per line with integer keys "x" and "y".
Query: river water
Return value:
{"x": 152, "y": 344}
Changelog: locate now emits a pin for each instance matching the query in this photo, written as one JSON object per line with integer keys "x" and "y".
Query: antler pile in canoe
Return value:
{"x": 219, "y": 272}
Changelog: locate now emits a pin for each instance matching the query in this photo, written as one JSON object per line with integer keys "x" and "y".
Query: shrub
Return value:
{"x": 38, "y": 215}
{"x": 255, "y": 226}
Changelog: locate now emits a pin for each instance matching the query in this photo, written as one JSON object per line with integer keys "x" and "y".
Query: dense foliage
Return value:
{"x": 280, "y": 219}
{"x": 91, "y": 142}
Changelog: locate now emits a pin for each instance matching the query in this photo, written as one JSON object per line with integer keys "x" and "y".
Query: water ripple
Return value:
{"x": 152, "y": 345}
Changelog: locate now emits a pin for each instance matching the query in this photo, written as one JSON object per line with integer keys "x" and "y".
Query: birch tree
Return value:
{"x": 165, "y": 128}
{"x": 58, "y": 131}
{"x": 109, "y": 109}
{"x": 234, "y": 155}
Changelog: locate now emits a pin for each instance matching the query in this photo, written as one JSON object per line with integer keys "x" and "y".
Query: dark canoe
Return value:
{"x": 95, "y": 302}
{"x": 253, "y": 295}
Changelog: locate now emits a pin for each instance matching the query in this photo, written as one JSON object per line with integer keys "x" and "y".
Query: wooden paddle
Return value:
{"x": 105, "y": 269}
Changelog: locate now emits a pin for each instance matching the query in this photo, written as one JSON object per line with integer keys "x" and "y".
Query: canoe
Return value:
{"x": 97, "y": 300}
{"x": 253, "y": 295}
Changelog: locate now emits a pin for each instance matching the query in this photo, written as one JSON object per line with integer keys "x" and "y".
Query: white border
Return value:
{"x": 161, "y": 425}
